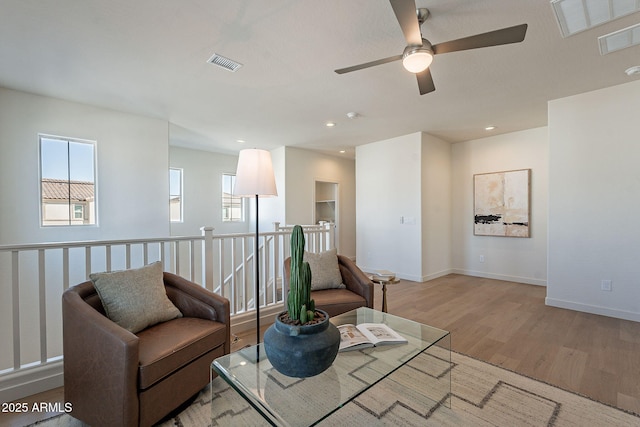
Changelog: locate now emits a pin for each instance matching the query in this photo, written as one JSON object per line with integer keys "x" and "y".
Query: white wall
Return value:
{"x": 436, "y": 207}
{"x": 507, "y": 258}
{"x": 202, "y": 192}
{"x": 403, "y": 206}
{"x": 594, "y": 203}
{"x": 303, "y": 169}
{"x": 132, "y": 201}
{"x": 132, "y": 169}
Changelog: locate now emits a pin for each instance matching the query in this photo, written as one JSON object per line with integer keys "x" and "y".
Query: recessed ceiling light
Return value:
{"x": 343, "y": 151}
{"x": 240, "y": 141}
{"x": 330, "y": 124}
{"x": 490, "y": 128}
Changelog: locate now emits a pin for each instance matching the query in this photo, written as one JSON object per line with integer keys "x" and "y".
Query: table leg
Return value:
{"x": 384, "y": 297}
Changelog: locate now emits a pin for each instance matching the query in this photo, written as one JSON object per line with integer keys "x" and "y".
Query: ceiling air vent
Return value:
{"x": 575, "y": 16}
{"x": 226, "y": 63}
{"x": 621, "y": 39}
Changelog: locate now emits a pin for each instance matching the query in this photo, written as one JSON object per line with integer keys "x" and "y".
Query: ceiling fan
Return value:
{"x": 418, "y": 54}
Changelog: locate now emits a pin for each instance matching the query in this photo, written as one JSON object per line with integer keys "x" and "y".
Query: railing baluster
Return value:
{"x": 65, "y": 268}
{"x": 163, "y": 255}
{"x": 108, "y": 256}
{"x": 221, "y": 280}
{"x": 276, "y": 257}
{"x": 42, "y": 290}
{"x": 177, "y": 257}
{"x": 234, "y": 280}
{"x": 87, "y": 261}
{"x": 192, "y": 267}
{"x": 15, "y": 300}
{"x": 207, "y": 257}
{"x": 127, "y": 255}
{"x": 145, "y": 253}
{"x": 257, "y": 257}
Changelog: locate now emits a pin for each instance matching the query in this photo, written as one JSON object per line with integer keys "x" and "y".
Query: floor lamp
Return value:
{"x": 255, "y": 178}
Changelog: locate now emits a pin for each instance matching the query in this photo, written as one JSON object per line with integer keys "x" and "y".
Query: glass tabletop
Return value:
{"x": 288, "y": 401}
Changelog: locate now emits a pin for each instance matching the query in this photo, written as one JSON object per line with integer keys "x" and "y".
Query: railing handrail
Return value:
{"x": 85, "y": 243}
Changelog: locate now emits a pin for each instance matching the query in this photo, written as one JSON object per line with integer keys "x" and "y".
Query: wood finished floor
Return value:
{"x": 507, "y": 324}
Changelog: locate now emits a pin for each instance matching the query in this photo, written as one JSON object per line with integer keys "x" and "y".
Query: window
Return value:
{"x": 78, "y": 212}
{"x": 175, "y": 195}
{"x": 67, "y": 181}
{"x": 232, "y": 207}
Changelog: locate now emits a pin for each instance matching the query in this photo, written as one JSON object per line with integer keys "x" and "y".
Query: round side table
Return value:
{"x": 384, "y": 284}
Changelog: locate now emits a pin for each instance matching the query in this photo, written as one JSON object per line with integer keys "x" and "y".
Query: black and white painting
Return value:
{"x": 501, "y": 203}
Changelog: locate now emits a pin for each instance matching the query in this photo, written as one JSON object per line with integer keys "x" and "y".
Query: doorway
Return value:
{"x": 326, "y": 204}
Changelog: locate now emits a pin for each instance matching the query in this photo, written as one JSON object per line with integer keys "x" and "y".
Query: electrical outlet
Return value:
{"x": 481, "y": 258}
{"x": 605, "y": 285}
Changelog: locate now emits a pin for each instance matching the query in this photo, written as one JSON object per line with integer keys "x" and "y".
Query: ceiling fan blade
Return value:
{"x": 425, "y": 81}
{"x": 368, "y": 64}
{"x": 407, "y": 17}
{"x": 508, "y": 35}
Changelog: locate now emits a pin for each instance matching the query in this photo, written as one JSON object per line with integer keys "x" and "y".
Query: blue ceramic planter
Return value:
{"x": 302, "y": 351}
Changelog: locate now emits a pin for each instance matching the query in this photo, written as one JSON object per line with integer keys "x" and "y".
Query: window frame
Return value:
{"x": 71, "y": 204}
{"x": 180, "y": 195}
{"x": 227, "y": 202}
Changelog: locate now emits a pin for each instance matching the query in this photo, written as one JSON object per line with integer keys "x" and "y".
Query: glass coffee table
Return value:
{"x": 286, "y": 401}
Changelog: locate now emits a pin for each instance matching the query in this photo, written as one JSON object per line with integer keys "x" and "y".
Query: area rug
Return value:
{"x": 481, "y": 395}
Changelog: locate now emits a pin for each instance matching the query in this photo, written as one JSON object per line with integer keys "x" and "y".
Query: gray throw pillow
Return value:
{"x": 135, "y": 298}
{"x": 325, "y": 272}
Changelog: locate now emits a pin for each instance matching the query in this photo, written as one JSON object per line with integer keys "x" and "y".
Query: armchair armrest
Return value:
{"x": 195, "y": 301}
{"x": 355, "y": 280}
{"x": 98, "y": 351}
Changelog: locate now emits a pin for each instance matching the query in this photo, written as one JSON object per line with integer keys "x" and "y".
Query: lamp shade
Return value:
{"x": 254, "y": 174}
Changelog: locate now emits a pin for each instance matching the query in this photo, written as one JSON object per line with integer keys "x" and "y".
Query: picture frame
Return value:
{"x": 502, "y": 203}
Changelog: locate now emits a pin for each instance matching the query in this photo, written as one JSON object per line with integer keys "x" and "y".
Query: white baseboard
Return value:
{"x": 593, "y": 309}
{"x": 29, "y": 381}
{"x": 518, "y": 279}
{"x": 435, "y": 275}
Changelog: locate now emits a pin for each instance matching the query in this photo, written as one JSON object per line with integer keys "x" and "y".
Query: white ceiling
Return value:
{"x": 149, "y": 57}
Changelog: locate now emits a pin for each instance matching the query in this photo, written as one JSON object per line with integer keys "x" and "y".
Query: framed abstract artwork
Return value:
{"x": 501, "y": 203}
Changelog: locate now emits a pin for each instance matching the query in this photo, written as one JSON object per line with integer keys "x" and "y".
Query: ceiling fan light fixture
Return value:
{"x": 417, "y": 58}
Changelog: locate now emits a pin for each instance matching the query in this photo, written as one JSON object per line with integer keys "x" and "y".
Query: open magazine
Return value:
{"x": 365, "y": 335}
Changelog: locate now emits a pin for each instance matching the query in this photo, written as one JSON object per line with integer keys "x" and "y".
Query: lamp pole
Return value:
{"x": 256, "y": 259}
{"x": 255, "y": 177}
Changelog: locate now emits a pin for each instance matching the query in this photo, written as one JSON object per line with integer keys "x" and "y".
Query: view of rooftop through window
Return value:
{"x": 67, "y": 181}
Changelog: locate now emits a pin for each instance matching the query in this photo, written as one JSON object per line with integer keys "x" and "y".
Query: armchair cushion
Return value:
{"x": 166, "y": 347}
{"x": 135, "y": 298}
{"x": 325, "y": 273}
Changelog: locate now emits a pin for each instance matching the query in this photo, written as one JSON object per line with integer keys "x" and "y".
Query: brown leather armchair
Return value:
{"x": 113, "y": 377}
{"x": 358, "y": 292}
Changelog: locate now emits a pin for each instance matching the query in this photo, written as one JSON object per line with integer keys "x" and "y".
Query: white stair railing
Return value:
{"x": 34, "y": 276}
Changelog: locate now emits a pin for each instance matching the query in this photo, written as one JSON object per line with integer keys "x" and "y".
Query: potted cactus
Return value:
{"x": 300, "y": 306}
{"x": 302, "y": 342}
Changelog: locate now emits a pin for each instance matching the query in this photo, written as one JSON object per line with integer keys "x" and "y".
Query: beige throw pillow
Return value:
{"x": 325, "y": 272}
{"x": 135, "y": 298}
